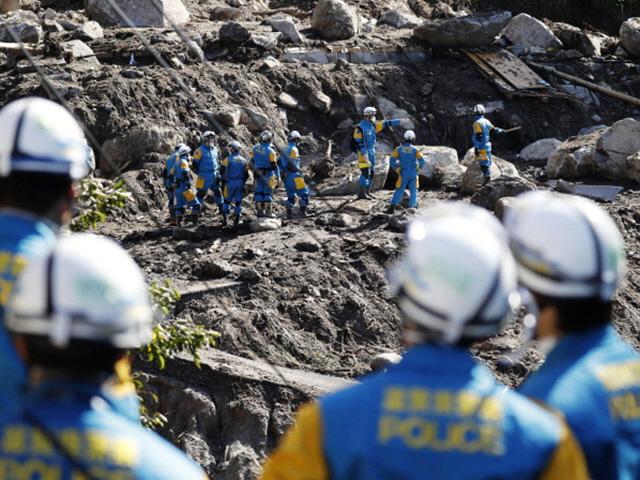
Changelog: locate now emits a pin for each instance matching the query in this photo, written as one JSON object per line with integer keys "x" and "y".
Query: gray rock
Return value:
{"x": 335, "y": 20}
{"x": 26, "y": 30}
{"x": 233, "y": 33}
{"x": 503, "y": 186}
{"x": 630, "y": 36}
{"x": 215, "y": 268}
{"x": 132, "y": 73}
{"x": 540, "y": 150}
{"x": 391, "y": 110}
{"x": 9, "y": 6}
{"x": 581, "y": 93}
{"x": 600, "y": 193}
{"x": 266, "y": 40}
{"x": 503, "y": 205}
{"x": 574, "y": 157}
{"x": 399, "y": 19}
{"x": 633, "y": 167}
{"x": 382, "y": 361}
{"x": 615, "y": 145}
{"x": 342, "y": 220}
{"x": 90, "y": 30}
{"x": 308, "y": 246}
{"x": 250, "y": 275}
{"x": 287, "y": 27}
{"x": 222, "y": 12}
{"x": 472, "y": 181}
{"x": 51, "y": 26}
{"x": 229, "y": 116}
{"x": 78, "y": 50}
{"x": 320, "y": 100}
{"x": 469, "y": 31}
{"x": 287, "y": 101}
{"x": 588, "y": 130}
{"x": 254, "y": 119}
{"x": 142, "y": 13}
{"x": 576, "y": 39}
{"x": 135, "y": 144}
{"x": 270, "y": 63}
{"x": 437, "y": 158}
{"x": 572, "y": 54}
{"x": 530, "y": 32}
{"x": 265, "y": 224}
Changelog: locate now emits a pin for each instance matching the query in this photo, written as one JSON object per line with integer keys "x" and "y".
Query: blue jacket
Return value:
{"x": 290, "y": 161}
{"x": 407, "y": 159}
{"x": 264, "y": 157}
{"x": 205, "y": 160}
{"x": 594, "y": 380}
{"x": 234, "y": 168}
{"x": 21, "y": 236}
{"x": 366, "y": 133}
{"x": 84, "y": 421}
{"x": 482, "y": 129}
{"x": 183, "y": 178}
{"x": 437, "y": 414}
{"x": 170, "y": 170}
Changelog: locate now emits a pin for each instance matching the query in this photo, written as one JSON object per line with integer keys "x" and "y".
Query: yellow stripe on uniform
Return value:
{"x": 567, "y": 460}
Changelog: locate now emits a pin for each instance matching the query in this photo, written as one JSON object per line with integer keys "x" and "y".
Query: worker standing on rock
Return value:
{"x": 570, "y": 255}
{"x": 294, "y": 182}
{"x": 205, "y": 165}
{"x": 169, "y": 180}
{"x": 264, "y": 162}
{"x": 185, "y": 194}
{"x": 407, "y": 161}
{"x": 365, "y": 137}
{"x": 234, "y": 172}
{"x": 481, "y": 139}
{"x": 77, "y": 310}
{"x": 437, "y": 413}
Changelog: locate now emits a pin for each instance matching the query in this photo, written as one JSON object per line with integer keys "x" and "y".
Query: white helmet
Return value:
{"x": 479, "y": 109}
{"x": 565, "y": 246}
{"x": 294, "y": 135}
{"x": 369, "y": 111}
{"x": 410, "y": 136}
{"x": 235, "y": 146}
{"x": 86, "y": 288}
{"x": 183, "y": 150}
{"x": 40, "y": 136}
{"x": 208, "y": 134}
{"x": 266, "y": 136}
{"x": 457, "y": 279}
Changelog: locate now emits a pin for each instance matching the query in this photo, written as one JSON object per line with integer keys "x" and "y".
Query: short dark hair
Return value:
{"x": 577, "y": 315}
{"x": 36, "y": 193}
{"x": 80, "y": 356}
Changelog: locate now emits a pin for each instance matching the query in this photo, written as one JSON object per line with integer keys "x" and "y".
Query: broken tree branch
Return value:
{"x": 590, "y": 85}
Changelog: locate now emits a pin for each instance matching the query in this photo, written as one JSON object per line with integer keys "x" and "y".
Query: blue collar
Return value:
{"x": 28, "y": 220}
{"x": 577, "y": 344}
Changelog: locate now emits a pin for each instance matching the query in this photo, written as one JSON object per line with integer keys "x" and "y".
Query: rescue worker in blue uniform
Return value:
{"x": 77, "y": 310}
{"x": 185, "y": 193}
{"x": 169, "y": 180}
{"x": 365, "y": 137}
{"x": 264, "y": 162}
{"x": 40, "y": 162}
{"x": 481, "y": 139}
{"x": 407, "y": 161}
{"x": 437, "y": 413}
{"x": 294, "y": 182}
{"x": 234, "y": 173}
{"x": 205, "y": 165}
{"x": 570, "y": 255}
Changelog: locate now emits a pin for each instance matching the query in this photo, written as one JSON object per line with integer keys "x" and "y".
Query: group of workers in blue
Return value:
{"x": 226, "y": 178}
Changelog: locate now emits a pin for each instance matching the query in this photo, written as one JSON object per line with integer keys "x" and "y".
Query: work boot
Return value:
{"x": 178, "y": 220}
{"x": 195, "y": 219}
{"x": 391, "y": 209}
{"x": 269, "y": 210}
{"x": 303, "y": 212}
{"x": 236, "y": 220}
{"x": 289, "y": 213}
{"x": 224, "y": 219}
{"x": 362, "y": 193}
{"x": 369, "y": 194}
{"x": 259, "y": 210}
{"x": 172, "y": 219}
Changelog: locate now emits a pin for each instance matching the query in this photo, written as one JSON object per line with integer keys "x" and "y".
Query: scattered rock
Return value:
{"x": 335, "y": 20}
{"x": 307, "y": 246}
{"x": 399, "y": 19}
{"x": 27, "y": 29}
{"x": 594, "y": 128}
{"x": 391, "y": 110}
{"x": 229, "y": 116}
{"x": 573, "y": 158}
{"x": 503, "y": 186}
{"x": 243, "y": 462}
{"x": 530, "y": 32}
{"x": 255, "y": 119}
{"x": 89, "y": 31}
{"x": 265, "y": 224}
{"x": 630, "y": 36}
{"x": 633, "y": 167}
{"x": 51, "y": 26}
{"x": 287, "y": 27}
{"x": 142, "y": 13}
{"x": 581, "y": 93}
{"x": 574, "y": 38}
{"x": 503, "y": 205}
{"x": 382, "y": 361}
{"x": 132, "y": 73}
{"x": 215, "y": 268}
{"x": 287, "y": 101}
{"x": 615, "y": 145}
{"x": 399, "y": 222}
{"x": 233, "y": 33}
{"x": 266, "y": 40}
{"x": 472, "y": 181}
{"x": 600, "y": 193}
{"x": 341, "y": 220}
{"x": 9, "y": 6}
{"x": 320, "y": 100}
{"x": 270, "y": 63}
{"x": 540, "y": 150}
{"x": 78, "y": 50}
{"x": 468, "y": 31}
{"x": 250, "y": 275}
{"x": 222, "y": 12}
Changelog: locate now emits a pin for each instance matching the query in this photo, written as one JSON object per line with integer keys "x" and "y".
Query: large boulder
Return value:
{"x": 391, "y": 110}
{"x": 78, "y": 50}
{"x": 233, "y": 33}
{"x": 633, "y": 167}
{"x": 335, "y": 20}
{"x": 576, "y": 39}
{"x": 530, "y": 32}
{"x": 24, "y": 25}
{"x": 254, "y": 118}
{"x": 89, "y": 31}
{"x": 135, "y": 145}
{"x": 472, "y": 181}
{"x": 9, "y": 6}
{"x": 503, "y": 186}
{"x": 142, "y": 13}
{"x": 437, "y": 158}
{"x": 287, "y": 27}
{"x": 630, "y": 36}
{"x": 573, "y": 158}
{"x": 614, "y": 146}
{"x": 468, "y": 31}
{"x": 399, "y": 19}
{"x": 540, "y": 150}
